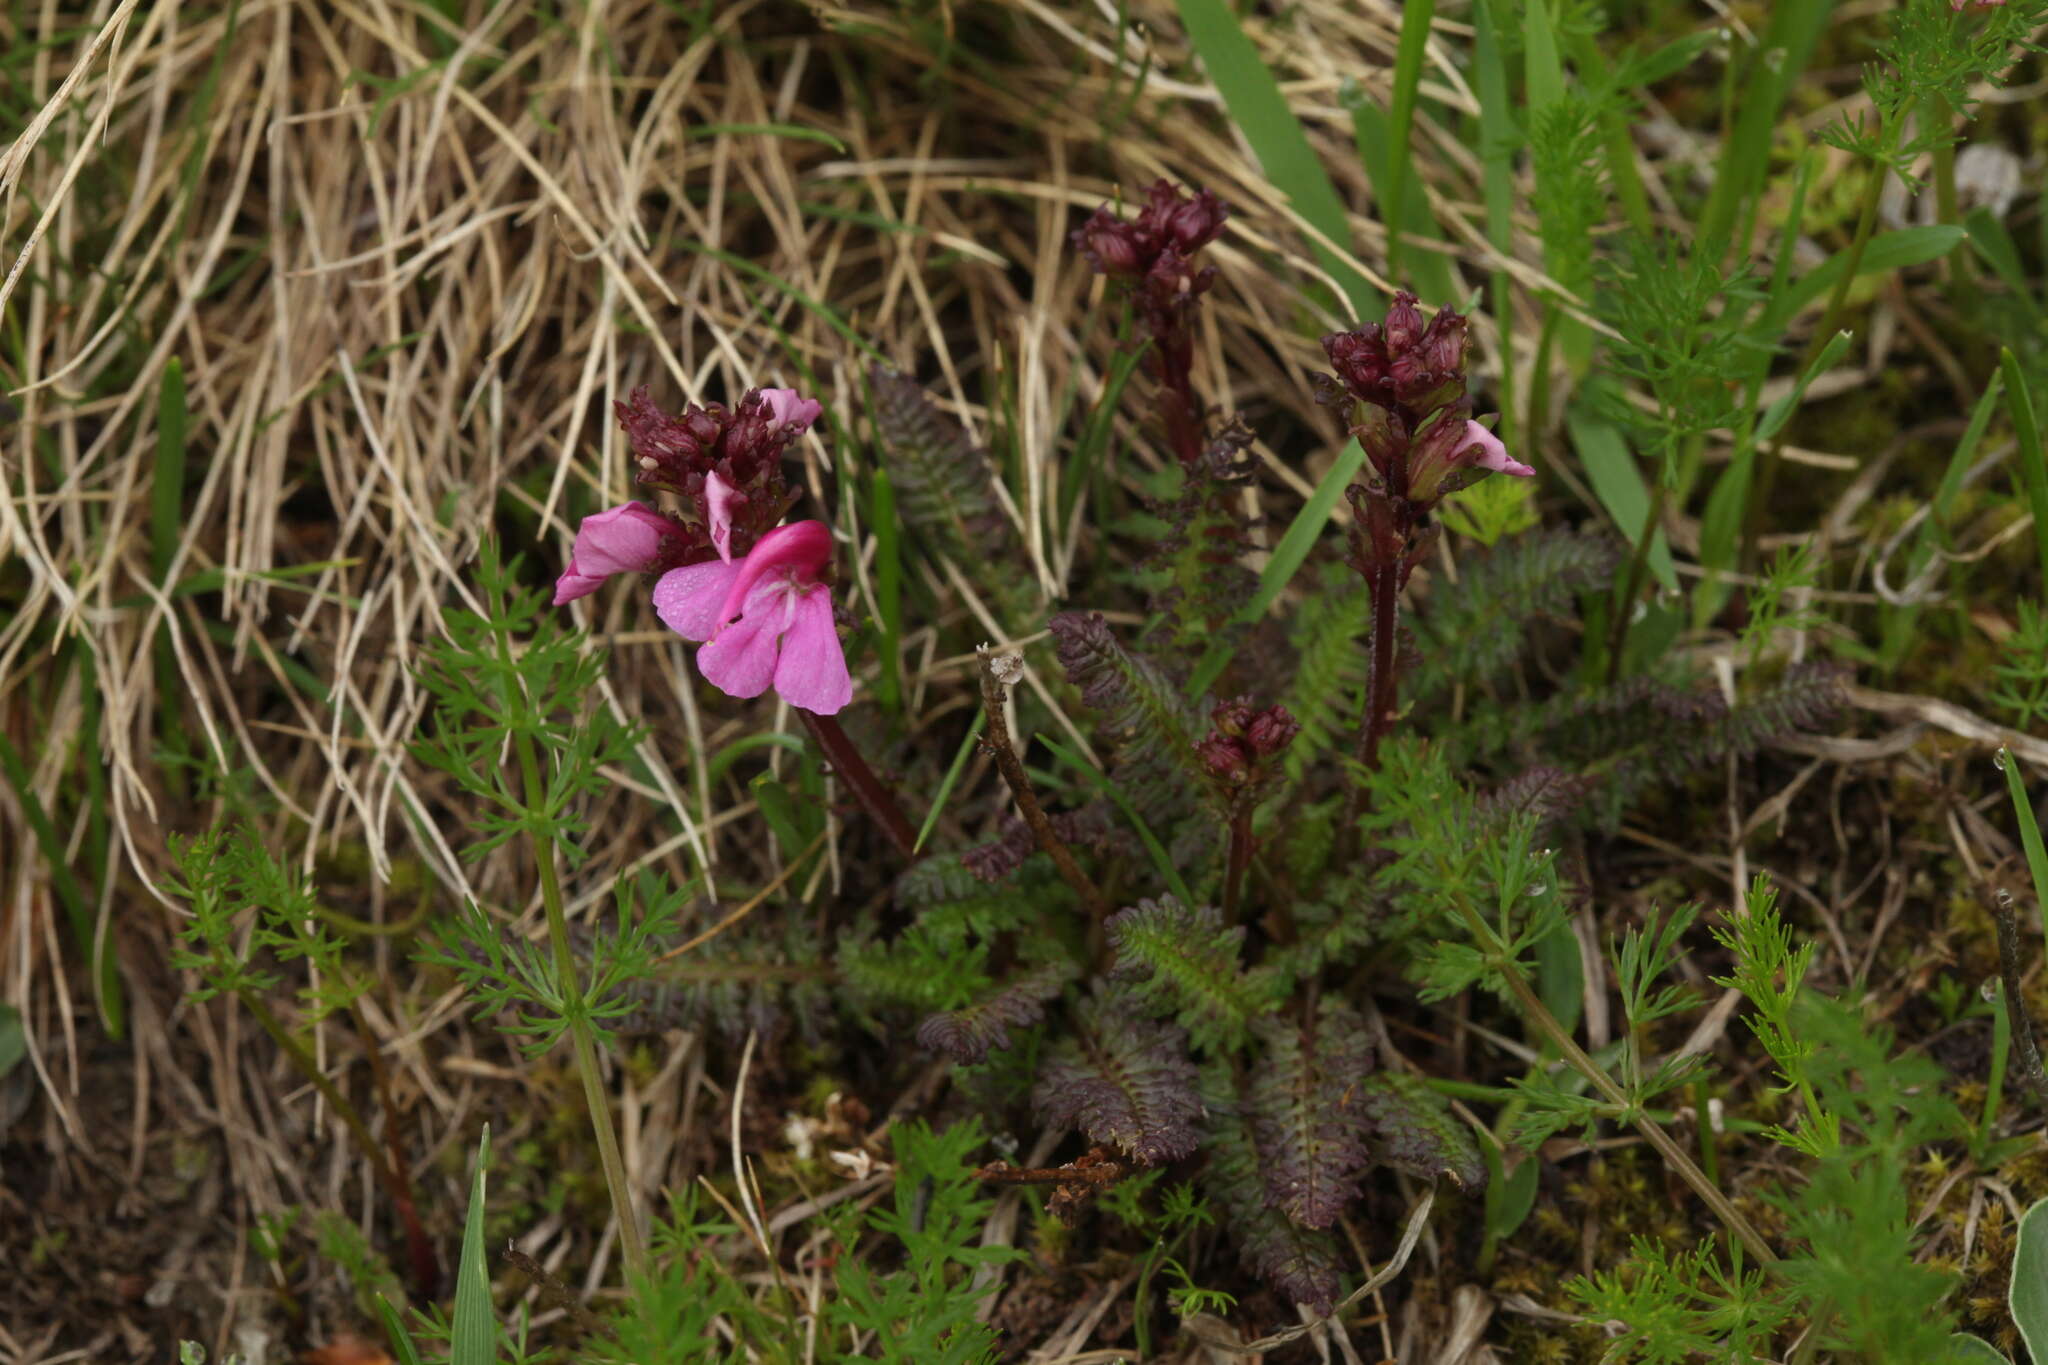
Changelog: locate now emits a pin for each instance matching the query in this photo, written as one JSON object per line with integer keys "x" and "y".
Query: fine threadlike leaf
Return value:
{"x": 1124, "y": 1082}
{"x": 1305, "y": 1112}
{"x": 475, "y": 1337}
{"x": 1414, "y": 1130}
{"x": 1172, "y": 960}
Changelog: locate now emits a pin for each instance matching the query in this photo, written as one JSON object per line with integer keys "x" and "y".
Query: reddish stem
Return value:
{"x": 1379, "y": 717}
{"x": 853, "y": 770}
{"x": 1240, "y": 860}
{"x": 1179, "y": 410}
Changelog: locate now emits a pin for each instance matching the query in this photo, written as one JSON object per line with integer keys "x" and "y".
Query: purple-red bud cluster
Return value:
{"x": 1241, "y": 739}
{"x": 743, "y": 445}
{"x": 1154, "y": 251}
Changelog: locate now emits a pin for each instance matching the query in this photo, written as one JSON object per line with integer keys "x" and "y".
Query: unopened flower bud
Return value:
{"x": 1225, "y": 758}
{"x": 1404, "y": 323}
{"x": 1271, "y": 730}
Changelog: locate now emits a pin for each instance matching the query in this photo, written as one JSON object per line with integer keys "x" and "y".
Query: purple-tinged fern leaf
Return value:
{"x": 1415, "y": 1130}
{"x": 969, "y": 1034}
{"x": 1144, "y": 715}
{"x": 1124, "y": 1082}
{"x": 1305, "y": 1113}
{"x": 1301, "y": 1262}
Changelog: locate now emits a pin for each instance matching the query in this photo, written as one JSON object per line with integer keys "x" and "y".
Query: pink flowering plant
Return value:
{"x": 1289, "y": 792}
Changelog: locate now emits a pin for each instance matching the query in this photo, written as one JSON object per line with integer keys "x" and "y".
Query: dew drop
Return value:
{"x": 1999, "y": 759}
{"x": 1538, "y": 889}
{"x": 1989, "y": 990}
{"x": 2004, "y": 899}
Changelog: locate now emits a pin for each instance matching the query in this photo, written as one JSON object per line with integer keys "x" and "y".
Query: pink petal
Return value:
{"x": 741, "y": 661}
{"x": 801, "y": 547}
{"x": 812, "y": 671}
{"x": 574, "y": 583}
{"x": 1492, "y": 454}
{"x": 719, "y": 497}
{"x": 623, "y": 539}
{"x": 791, "y": 409}
{"x": 687, "y": 599}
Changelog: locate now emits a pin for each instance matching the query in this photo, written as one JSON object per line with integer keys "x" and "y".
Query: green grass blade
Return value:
{"x": 1780, "y": 412}
{"x": 888, "y": 586}
{"x": 167, "y": 480}
{"x": 1782, "y": 52}
{"x": 1276, "y": 136}
{"x": 1372, "y": 134}
{"x": 2030, "y": 830}
{"x": 1887, "y": 251}
{"x": 1415, "y": 20}
{"x": 1542, "y": 64}
{"x": 1938, "y": 512}
{"x": 1287, "y": 558}
{"x": 402, "y": 1349}
{"x": 952, "y": 779}
{"x": 1498, "y": 139}
{"x": 77, "y": 909}
{"x": 2026, "y": 429}
{"x": 1619, "y": 485}
{"x": 2002, "y": 254}
{"x": 474, "y": 1340}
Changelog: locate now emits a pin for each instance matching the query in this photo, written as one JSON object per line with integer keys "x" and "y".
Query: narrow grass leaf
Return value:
{"x": 1415, "y": 20}
{"x": 76, "y": 908}
{"x": 1619, "y": 485}
{"x": 952, "y": 779}
{"x": 2033, "y": 463}
{"x": 167, "y": 480}
{"x": 2002, "y": 254}
{"x": 1781, "y": 54}
{"x": 402, "y": 1349}
{"x": 1288, "y": 556}
{"x": 1951, "y": 484}
{"x": 474, "y": 1338}
{"x": 1781, "y": 411}
{"x": 1498, "y": 139}
{"x": 2030, "y": 830}
{"x": 1887, "y": 251}
{"x": 888, "y": 586}
{"x": 1276, "y": 136}
{"x": 789, "y": 130}
{"x": 1372, "y": 134}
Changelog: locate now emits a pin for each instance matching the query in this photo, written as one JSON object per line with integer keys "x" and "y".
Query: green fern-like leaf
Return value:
{"x": 1300, "y": 1262}
{"x": 1144, "y": 714}
{"x": 1201, "y": 558}
{"x": 1332, "y": 663}
{"x": 1174, "y": 961}
{"x": 1125, "y": 1082}
{"x": 944, "y": 482}
{"x": 1305, "y": 1112}
{"x": 1415, "y": 1130}
{"x": 1474, "y": 628}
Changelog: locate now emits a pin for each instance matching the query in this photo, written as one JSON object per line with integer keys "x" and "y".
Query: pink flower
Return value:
{"x": 1492, "y": 454}
{"x": 791, "y": 409}
{"x": 766, "y": 620}
{"x": 720, "y": 497}
{"x": 629, "y": 538}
